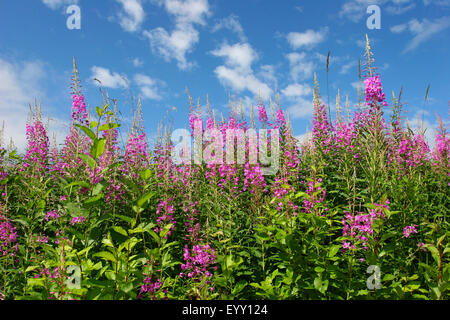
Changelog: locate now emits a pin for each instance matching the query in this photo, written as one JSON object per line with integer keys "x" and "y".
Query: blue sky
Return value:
{"x": 157, "y": 48}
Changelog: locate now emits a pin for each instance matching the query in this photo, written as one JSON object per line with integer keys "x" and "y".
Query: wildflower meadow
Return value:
{"x": 358, "y": 211}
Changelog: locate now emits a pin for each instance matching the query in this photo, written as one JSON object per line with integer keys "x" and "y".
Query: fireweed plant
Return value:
{"x": 97, "y": 220}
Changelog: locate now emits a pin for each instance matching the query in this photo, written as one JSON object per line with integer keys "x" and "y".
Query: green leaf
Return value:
{"x": 78, "y": 183}
{"x": 388, "y": 277}
{"x": 165, "y": 230}
{"x": 108, "y": 126}
{"x": 93, "y": 124}
{"x": 97, "y": 148}
{"x": 31, "y": 268}
{"x": 145, "y": 198}
{"x": 154, "y": 235}
{"x": 320, "y": 285}
{"x": 99, "y": 111}
{"x": 120, "y": 230}
{"x": 97, "y": 189}
{"x": 88, "y": 160}
{"x": 88, "y": 131}
{"x": 319, "y": 269}
{"x": 145, "y": 174}
{"x": 93, "y": 199}
{"x": 124, "y": 218}
{"x": 334, "y": 249}
{"x": 32, "y": 282}
{"x": 434, "y": 252}
{"x": 106, "y": 255}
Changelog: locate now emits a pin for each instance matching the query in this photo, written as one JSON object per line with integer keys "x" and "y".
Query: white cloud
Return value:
{"x": 20, "y": 85}
{"x": 358, "y": 84}
{"x": 299, "y": 98}
{"x": 399, "y": 28}
{"x": 132, "y": 16}
{"x": 296, "y": 90}
{"x": 399, "y": 9}
{"x": 303, "y": 138}
{"x": 421, "y": 30}
{"x": 355, "y": 10}
{"x": 175, "y": 45}
{"x": 443, "y": 3}
{"x": 347, "y": 67}
{"x": 57, "y": 4}
{"x": 300, "y": 66}
{"x": 417, "y": 125}
{"x": 239, "y": 55}
{"x": 302, "y": 108}
{"x": 242, "y": 81}
{"x": 267, "y": 72}
{"x": 148, "y": 86}
{"x": 181, "y": 41}
{"x": 231, "y": 23}
{"x": 237, "y": 72}
{"x": 108, "y": 79}
{"x": 307, "y": 39}
{"x": 187, "y": 11}
{"x": 137, "y": 62}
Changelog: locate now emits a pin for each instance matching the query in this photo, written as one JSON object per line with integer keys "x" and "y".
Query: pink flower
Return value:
{"x": 78, "y": 220}
{"x": 409, "y": 230}
{"x": 52, "y": 215}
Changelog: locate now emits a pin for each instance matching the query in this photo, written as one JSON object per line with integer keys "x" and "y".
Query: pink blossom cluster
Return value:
{"x": 45, "y": 272}
{"x": 165, "y": 216}
{"x": 441, "y": 153}
{"x": 408, "y": 230}
{"x": 135, "y": 153}
{"x": 8, "y": 237}
{"x": 42, "y": 239}
{"x": 79, "y": 113}
{"x": 281, "y": 120}
{"x": 359, "y": 228}
{"x": 345, "y": 138}
{"x": 262, "y": 114}
{"x": 52, "y": 215}
{"x": 192, "y": 225}
{"x": 38, "y": 146}
{"x": 78, "y": 220}
{"x": 198, "y": 262}
{"x": 150, "y": 287}
{"x": 322, "y": 130}
{"x": 374, "y": 91}
{"x": 407, "y": 152}
{"x": 316, "y": 197}
{"x": 253, "y": 178}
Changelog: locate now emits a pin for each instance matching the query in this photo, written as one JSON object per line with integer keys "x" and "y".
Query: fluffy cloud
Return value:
{"x": 107, "y": 79}
{"x": 296, "y": 90}
{"x": 177, "y": 44}
{"x": 239, "y": 55}
{"x": 308, "y": 39}
{"x": 421, "y": 30}
{"x": 132, "y": 16}
{"x": 137, "y": 62}
{"x": 231, "y": 23}
{"x": 355, "y": 10}
{"x": 347, "y": 67}
{"x": 148, "y": 86}
{"x": 57, "y": 4}
{"x": 299, "y": 98}
{"x": 237, "y": 73}
{"x": 20, "y": 84}
{"x": 300, "y": 66}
